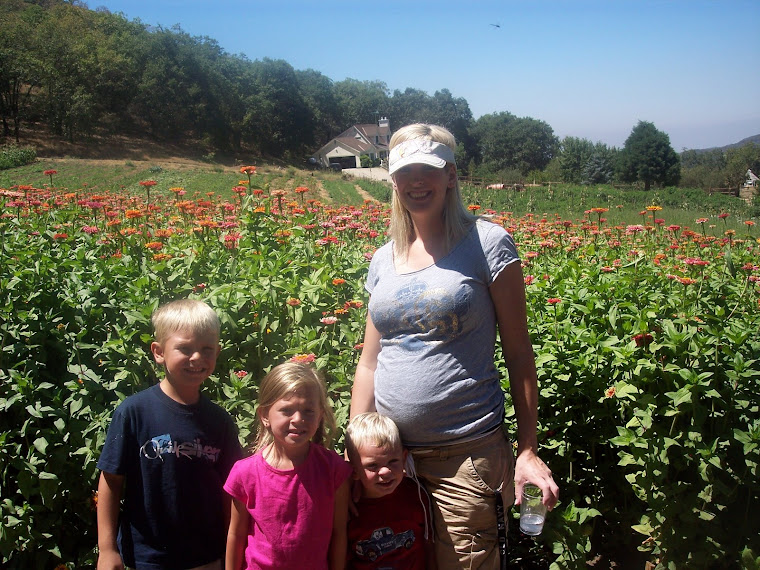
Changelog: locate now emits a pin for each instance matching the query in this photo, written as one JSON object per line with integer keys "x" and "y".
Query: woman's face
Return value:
{"x": 421, "y": 188}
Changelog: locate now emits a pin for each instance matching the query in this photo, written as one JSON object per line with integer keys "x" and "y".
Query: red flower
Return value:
{"x": 643, "y": 339}
{"x": 148, "y": 183}
{"x": 553, "y": 300}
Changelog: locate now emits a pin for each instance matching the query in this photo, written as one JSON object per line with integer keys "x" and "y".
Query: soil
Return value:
{"x": 113, "y": 149}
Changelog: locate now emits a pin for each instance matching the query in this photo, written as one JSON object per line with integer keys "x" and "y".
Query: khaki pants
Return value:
{"x": 463, "y": 480}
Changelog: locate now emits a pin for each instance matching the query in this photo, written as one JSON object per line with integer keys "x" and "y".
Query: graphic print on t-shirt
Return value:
{"x": 436, "y": 313}
{"x": 382, "y": 542}
{"x": 161, "y": 445}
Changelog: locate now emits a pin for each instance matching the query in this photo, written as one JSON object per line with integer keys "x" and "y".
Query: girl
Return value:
{"x": 290, "y": 499}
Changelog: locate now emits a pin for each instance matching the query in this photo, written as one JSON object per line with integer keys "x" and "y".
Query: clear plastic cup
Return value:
{"x": 532, "y": 510}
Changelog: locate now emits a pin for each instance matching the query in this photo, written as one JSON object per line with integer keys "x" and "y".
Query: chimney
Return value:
{"x": 383, "y": 122}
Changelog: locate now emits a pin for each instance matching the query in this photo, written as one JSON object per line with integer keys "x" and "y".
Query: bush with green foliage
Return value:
{"x": 648, "y": 361}
{"x": 12, "y": 156}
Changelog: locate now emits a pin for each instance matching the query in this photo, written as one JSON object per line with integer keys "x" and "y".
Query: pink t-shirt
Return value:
{"x": 291, "y": 511}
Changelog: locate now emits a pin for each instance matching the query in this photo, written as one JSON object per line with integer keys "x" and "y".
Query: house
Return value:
{"x": 347, "y": 148}
{"x": 751, "y": 180}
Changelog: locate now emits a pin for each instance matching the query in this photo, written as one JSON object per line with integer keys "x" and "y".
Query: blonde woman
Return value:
{"x": 440, "y": 290}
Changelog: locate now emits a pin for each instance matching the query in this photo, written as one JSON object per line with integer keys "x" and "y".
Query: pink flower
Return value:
{"x": 328, "y": 320}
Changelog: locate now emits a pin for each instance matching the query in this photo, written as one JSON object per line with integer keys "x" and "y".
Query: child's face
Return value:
{"x": 188, "y": 358}
{"x": 380, "y": 469}
{"x": 293, "y": 420}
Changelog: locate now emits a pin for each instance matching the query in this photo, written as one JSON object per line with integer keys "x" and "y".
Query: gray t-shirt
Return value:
{"x": 435, "y": 374}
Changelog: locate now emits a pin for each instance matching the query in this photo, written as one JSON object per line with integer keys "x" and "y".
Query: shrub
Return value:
{"x": 12, "y": 156}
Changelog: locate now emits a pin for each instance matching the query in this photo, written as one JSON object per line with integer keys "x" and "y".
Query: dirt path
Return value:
{"x": 322, "y": 194}
{"x": 363, "y": 193}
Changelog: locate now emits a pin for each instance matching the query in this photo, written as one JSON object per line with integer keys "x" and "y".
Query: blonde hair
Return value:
{"x": 284, "y": 380}
{"x": 371, "y": 428}
{"x": 184, "y": 315}
{"x": 456, "y": 218}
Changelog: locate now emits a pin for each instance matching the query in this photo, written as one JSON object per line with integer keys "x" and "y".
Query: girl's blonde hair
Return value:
{"x": 457, "y": 220}
{"x": 184, "y": 315}
{"x": 284, "y": 380}
{"x": 371, "y": 428}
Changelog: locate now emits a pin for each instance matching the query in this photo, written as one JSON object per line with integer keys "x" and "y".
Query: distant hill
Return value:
{"x": 753, "y": 139}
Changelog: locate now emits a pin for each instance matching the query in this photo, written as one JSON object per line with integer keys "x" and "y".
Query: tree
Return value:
{"x": 361, "y": 101}
{"x": 20, "y": 68}
{"x": 506, "y": 142}
{"x": 574, "y": 155}
{"x": 410, "y": 106}
{"x": 277, "y": 118}
{"x": 738, "y": 161}
{"x": 317, "y": 92}
{"x": 648, "y": 157}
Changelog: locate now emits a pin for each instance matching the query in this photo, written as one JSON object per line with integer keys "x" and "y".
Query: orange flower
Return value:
{"x": 304, "y": 357}
{"x": 293, "y": 302}
{"x": 338, "y": 281}
{"x": 248, "y": 170}
{"x": 301, "y": 190}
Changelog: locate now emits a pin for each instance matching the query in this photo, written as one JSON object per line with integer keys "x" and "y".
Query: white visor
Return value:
{"x": 419, "y": 151}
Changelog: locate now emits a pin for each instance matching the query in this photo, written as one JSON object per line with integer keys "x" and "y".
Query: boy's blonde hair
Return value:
{"x": 456, "y": 218}
{"x": 282, "y": 381}
{"x": 371, "y": 428}
{"x": 184, "y": 315}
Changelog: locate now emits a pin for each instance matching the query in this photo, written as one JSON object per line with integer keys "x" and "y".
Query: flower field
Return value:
{"x": 645, "y": 334}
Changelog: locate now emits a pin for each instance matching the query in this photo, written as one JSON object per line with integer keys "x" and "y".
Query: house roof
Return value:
{"x": 360, "y": 139}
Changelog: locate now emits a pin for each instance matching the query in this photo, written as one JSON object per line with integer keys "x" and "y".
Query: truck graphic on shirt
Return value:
{"x": 382, "y": 542}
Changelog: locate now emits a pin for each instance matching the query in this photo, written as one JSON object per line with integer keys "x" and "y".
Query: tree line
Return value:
{"x": 82, "y": 72}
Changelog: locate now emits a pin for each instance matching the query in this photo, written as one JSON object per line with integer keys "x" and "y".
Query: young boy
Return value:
{"x": 169, "y": 450}
{"x": 394, "y": 526}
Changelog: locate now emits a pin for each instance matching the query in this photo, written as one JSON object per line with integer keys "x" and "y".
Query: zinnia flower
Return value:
{"x": 310, "y": 357}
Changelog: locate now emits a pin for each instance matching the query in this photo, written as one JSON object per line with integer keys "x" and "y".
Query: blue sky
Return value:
{"x": 589, "y": 68}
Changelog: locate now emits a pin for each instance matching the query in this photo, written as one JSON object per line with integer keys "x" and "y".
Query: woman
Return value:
{"x": 438, "y": 290}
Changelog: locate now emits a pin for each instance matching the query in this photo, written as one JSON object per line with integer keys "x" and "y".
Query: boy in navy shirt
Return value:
{"x": 167, "y": 454}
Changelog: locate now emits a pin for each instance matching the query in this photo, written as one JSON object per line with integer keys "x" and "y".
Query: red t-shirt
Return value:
{"x": 389, "y": 532}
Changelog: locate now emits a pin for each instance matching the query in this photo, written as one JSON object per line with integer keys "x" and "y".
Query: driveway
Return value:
{"x": 374, "y": 173}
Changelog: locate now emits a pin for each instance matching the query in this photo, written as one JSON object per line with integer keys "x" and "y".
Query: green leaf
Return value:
{"x": 40, "y": 444}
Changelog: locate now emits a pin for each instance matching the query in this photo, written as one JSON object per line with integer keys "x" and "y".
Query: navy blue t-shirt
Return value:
{"x": 175, "y": 459}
